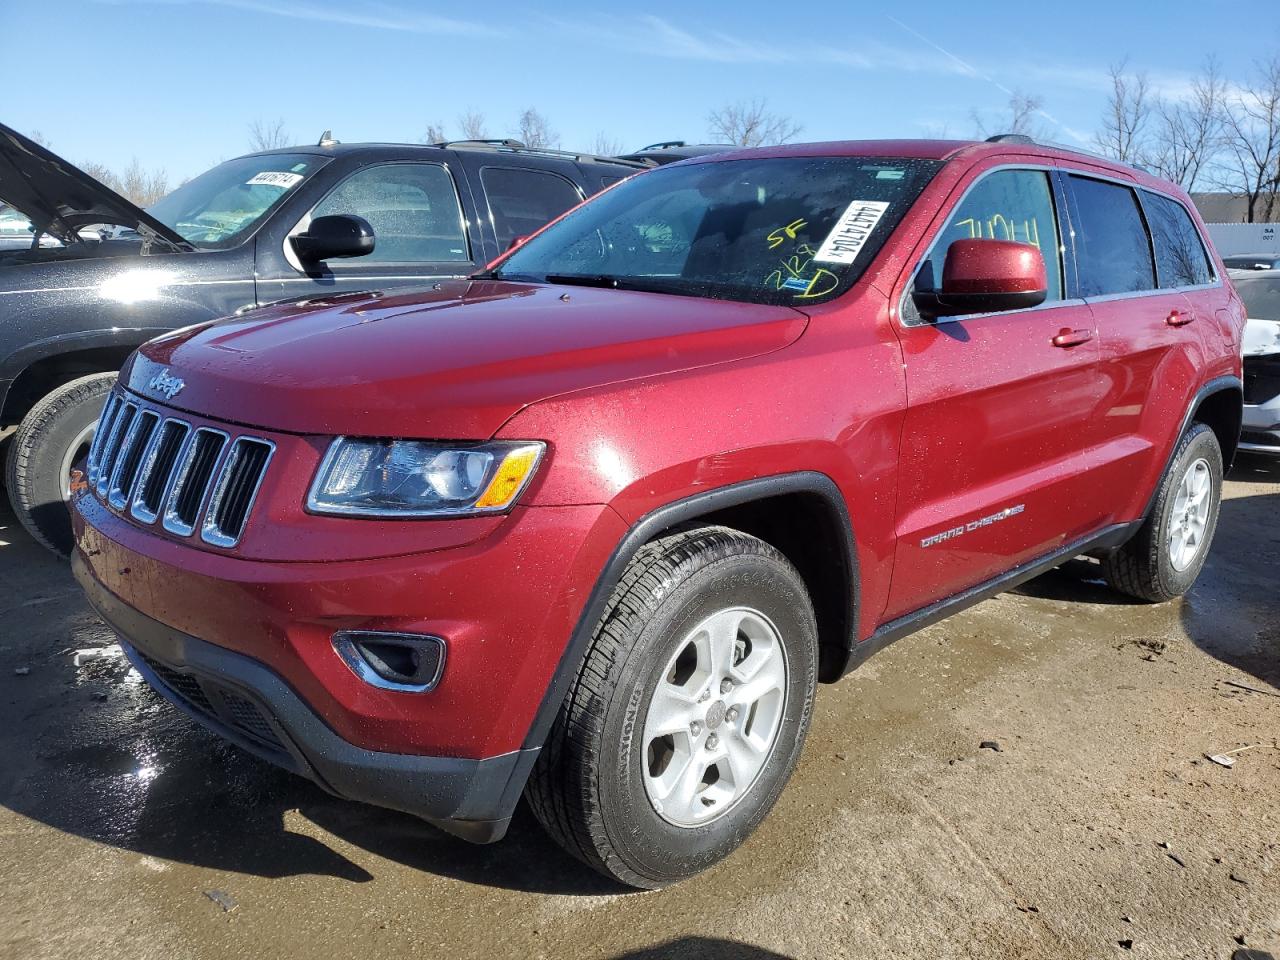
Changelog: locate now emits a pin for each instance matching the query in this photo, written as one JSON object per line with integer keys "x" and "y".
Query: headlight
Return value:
{"x": 418, "y": 478}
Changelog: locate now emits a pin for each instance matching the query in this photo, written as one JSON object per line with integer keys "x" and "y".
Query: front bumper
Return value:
{"x": 1260, "y": 428}
{"x": 243, "y": 701}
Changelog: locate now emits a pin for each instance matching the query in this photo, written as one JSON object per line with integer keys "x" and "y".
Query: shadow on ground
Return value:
{"x": 90, "y": 750}
{"x": 702, "y": 948}
{"x": 1226, "y": 614}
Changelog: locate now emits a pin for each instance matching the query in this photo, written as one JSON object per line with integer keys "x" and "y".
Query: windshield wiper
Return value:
{"x": 584, "y": 279}
{"x": 608, "y": 282}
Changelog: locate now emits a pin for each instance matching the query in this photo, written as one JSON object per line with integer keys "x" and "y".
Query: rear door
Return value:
{"x": 1149, "y": 330}
{"x": 420, "y": 227}
{"x": 994, "y": 464}
{"x": 517, "y": 198}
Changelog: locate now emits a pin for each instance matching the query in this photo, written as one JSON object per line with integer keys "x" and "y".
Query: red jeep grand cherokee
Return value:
{"x": 590, "y": 526}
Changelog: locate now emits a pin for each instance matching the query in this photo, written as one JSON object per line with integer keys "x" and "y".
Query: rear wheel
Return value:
{"x": 53, "y": 436}
{"x": 688, "y": 712}
{"x": 1164, "y": 558}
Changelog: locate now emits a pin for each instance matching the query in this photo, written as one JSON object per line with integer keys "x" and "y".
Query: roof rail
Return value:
{"x": 481, "y": 141}
{"x": 1065, "y": 147}
{"x": 516, "y": 146}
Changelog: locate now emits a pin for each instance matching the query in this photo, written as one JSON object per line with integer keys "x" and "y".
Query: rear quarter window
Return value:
{"x": 1261, "y": 296}
{"x": 1181, "y": 259}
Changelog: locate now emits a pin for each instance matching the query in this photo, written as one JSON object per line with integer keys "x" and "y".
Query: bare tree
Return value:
{"x": 1128, "y": 112}
{"x": 1025, "y": 109}
{"x": 144, "y": 187}
{"x": 1189, "y": 132}
{"x": 750, "y": 124}
{"x": 101, "y": 172}
{"x": 39, "y": 138}
{"x": 435, "y": 134}
{"x": 606, "y": 146}
{"x": 1251, "y": 123}
{"x": 267, "y": 135}
{"x": 473, "y": 127}
{"x": 535, "y": 132}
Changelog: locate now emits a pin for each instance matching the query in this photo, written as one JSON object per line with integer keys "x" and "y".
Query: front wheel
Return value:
{"x": 688, "y": 713}
{"x": 1168, "y": 552}
{"x": 53, "y": 436}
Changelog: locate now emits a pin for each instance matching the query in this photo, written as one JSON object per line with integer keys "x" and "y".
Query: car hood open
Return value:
{"x": 452, "y": 363}
{"x": 59, "y": 198}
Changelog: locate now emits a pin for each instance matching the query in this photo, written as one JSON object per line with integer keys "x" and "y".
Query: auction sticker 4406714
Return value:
{"x": 850, "y": 233}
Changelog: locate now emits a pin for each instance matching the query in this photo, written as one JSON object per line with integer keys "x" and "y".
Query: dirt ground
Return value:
{"x": 1098, "y": 829}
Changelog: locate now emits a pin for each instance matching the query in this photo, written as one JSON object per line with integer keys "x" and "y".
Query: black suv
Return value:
{"x": 101, "y": 276}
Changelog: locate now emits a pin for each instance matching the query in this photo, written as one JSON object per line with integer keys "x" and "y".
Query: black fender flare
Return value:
{"x": 14, "y": 365}
{"x": 664, "y": 518}
{"x": 1213, "y": 387}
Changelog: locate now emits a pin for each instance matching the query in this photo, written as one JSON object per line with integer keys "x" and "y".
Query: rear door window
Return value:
{"x": 1113, "y": 250}
{"x": 1181, "y": 260}
{"x": 1005, "y": 205}
{"x": 412, "y": 207}
{"x": 522, "y": 202}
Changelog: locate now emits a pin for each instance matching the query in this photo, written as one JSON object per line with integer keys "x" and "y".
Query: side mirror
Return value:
{"x": 986, "y": 276}
{"x": 517, "y": 242}
{"x": 339, "y": 235}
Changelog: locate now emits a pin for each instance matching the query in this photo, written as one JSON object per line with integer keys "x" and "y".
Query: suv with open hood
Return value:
{"x": 76, "y": 299}
{"x": 591, "y": 525}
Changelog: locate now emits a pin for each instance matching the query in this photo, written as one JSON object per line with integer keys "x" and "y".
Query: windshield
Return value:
{"x": 222, "y": 206}
{"x": 1261, "y": 296}
{"x": 793, "y": 230}
{"x": 1260, "y": 262}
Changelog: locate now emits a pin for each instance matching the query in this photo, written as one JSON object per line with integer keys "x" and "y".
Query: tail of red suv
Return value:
{"x": 591, "y": 525}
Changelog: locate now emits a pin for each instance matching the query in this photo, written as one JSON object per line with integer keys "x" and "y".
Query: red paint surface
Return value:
{"x": 644, "y": 399}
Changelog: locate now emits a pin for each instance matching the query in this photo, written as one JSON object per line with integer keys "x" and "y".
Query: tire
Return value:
{"x": 39, "y": 449}
{"x": 1145, "y": 567}
{"x": 591, "y": 787}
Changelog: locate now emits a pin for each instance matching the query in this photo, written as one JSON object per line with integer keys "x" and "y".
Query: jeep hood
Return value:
{"x": 453, "y": 363}
{"x": 59, "y": 199}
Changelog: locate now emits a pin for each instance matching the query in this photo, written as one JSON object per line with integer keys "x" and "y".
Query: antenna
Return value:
{"x": 326, "y": 139}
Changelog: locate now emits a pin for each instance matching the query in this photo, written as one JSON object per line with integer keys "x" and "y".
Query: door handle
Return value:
{"x": 1072, "y": 338}
{"x": 1179, "y": 318}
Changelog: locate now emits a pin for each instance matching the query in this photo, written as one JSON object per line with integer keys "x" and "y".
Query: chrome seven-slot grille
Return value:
{"x": 156, "y": 467}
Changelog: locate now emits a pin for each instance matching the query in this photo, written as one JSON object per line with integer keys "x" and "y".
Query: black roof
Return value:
{"x": 329, "y": 148}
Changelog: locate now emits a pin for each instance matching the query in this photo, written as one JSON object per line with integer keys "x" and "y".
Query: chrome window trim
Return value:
{"x": 209, "y": 530}
{"x": 1101, "y": 298}
{"x": 304, "y": 221}
{"x": 915, "y": 271}
{"x": 137, "y": 509}
{"x": 181, "y": 474}
{"x": 1204, "y": 247}
{"x": 490, "y": 221}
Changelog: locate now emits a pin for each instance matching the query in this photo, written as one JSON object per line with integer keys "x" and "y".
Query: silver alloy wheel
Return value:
{"x": 75, "y": 450}
{"x": 1190, "y": 514}
{"x": 714, "y": 717}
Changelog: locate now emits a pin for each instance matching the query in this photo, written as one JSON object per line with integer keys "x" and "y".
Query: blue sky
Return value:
{"x": 176, "y": 83}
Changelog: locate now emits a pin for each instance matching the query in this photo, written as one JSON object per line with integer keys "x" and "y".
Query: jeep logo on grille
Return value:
{"x": 165, "y": 384}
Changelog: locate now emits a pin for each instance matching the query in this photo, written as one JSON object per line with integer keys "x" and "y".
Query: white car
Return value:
{"x": 16, "y": 232}
{"x": 1260, "y": 290}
